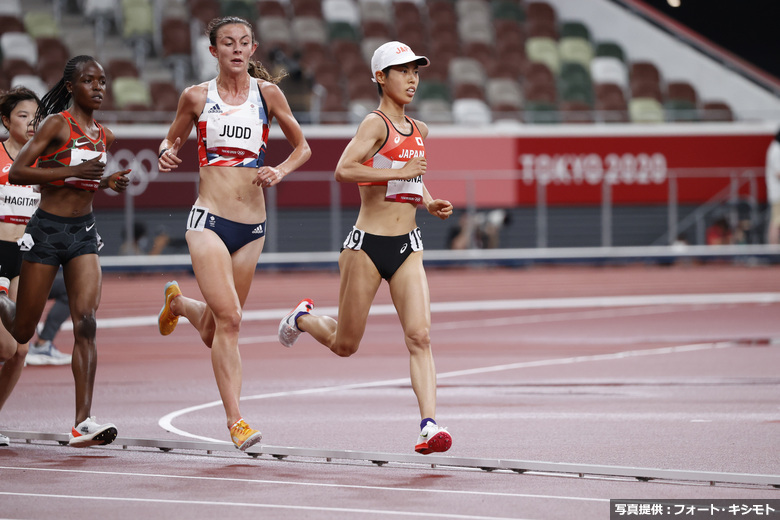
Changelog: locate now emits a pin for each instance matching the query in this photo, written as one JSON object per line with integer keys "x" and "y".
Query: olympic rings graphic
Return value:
{"x": 143, "y": 166}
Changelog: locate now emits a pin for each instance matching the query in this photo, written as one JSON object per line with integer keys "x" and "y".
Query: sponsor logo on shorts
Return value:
{"x": 404, "y": 247}
{"x": 258, "y": 229}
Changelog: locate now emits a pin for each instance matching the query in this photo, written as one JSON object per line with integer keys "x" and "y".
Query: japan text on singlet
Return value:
{"x": 17, "y": 202}
{"x": 77, "y": 149}
{"x": 394, "y": 153}
{"x": 233, "y": 135}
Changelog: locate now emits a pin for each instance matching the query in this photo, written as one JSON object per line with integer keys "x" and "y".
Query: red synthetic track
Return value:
{"x": 547, "y": 384}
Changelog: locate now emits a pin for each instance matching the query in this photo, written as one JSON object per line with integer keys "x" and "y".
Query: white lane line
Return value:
{"x": 318, "y": 509}
{"x": 166, "y": 422}
{"x": 496, "y": 305}
{"x": 307, "y": 484}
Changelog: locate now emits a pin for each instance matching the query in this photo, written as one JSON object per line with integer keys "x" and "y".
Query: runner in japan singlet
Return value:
{"x": 233, "y": 135}
{"x": 394, "y": 153}
{"x": 17, "y": 202}
{"x": 77, "y": 149}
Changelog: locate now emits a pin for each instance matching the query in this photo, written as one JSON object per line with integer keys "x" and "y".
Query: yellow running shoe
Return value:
{"x": 167, "y": 320}
{"x": 243, "y": 436}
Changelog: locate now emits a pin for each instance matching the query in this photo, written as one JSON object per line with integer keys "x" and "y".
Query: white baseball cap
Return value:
{"x": 394, "y": 53}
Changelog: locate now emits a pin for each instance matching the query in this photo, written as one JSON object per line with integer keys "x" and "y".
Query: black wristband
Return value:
{"x": 162, "y": 152}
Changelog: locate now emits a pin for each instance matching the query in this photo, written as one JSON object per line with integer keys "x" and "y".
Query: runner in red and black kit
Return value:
{"x": 72, "y": 151}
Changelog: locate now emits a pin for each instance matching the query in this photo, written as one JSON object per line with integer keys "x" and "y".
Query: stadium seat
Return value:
{"x": 11, "y": 24}
{"x": 540, "y": 112}
{"x": 271, "y": 8}
{"x": 681, "y": 90}
{"x": 610, "y": 104}
{"x": 11, "y": 7}
{"x": 645, "y": 110}
{"x": 507, "y": 10}
{"x": 537, "y": 73}
{"x": 503, "y": 92}
{"x": 274, "y": 32}
{"x": 177, "y": 49}
{"x": 575, "y": 83}
{"x": 120, "y": 67}
{"x": 165, "y": 96}
{"x": 137, "y": 19}
{"x": 680, "y": 110}
{"x": 31, "y": 81}
{"x": 540, "y": 11}
{"x": 611, "y": 49}
{"x": 239, "y": 8}
{"x": 575, "y": 112}
{"x": 131, "y": 93}
{"x": 468, "y": 91}
{"x": 436, "y": 111}
{"x": 575, "y": 50}
{"x": 543, "y": 50}
{"x": 205, "y": 63}
{"x": 305, "y": 28}
{"x": 405, "y": 13}
{"x": 376, "y": 29}
{"x": 714, "y": 111}
{"x": 479, "y": 9}
{"x": 205, "y": 10}
{"x": 307, "y": 8}
{"x": 466, "y": 70}
{"x": 643, "y": 71}
{"x": 53, "y": 54}
{"x": 18, "y": 46}
{"x": 333, "y": 110}
{"x": 369, "y": 45}
{"x": 475, "y": 30}
{"x": 432, "y": 89}
{"x": 341, "y": 11}
{"x": 646, "y": 89}
{"x": 359, "y": 108}
{"x": 376, "y": 10}
{"x": 608, "y": 69}
{"x": 468, "y": 111}
{"x": 41, "y": 23}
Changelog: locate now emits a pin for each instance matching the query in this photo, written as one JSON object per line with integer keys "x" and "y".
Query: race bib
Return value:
{"x": 18, "y": 203}
{"x": 78, "y": 156}
{"x": 233, "y": 136}
{"x": 197, "y": 218}
{"x": 354, "y": 239}
{"x": 406, "y": 190}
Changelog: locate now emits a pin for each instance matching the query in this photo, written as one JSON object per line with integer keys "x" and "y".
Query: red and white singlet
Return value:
{"x": 17, "y": 202}
{"x": 77, "y": 149}
{"x": 233, "y": 135}
{"x": 394, "y": 153}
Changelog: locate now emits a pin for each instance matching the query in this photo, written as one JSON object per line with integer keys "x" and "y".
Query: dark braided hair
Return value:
{"x": 11, "y": 98}
{"x": 58, "y": 98}
{"x": 255, "y": 68}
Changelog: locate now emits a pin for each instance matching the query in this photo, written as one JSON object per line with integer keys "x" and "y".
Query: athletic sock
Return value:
{"x": 425, "y": 422}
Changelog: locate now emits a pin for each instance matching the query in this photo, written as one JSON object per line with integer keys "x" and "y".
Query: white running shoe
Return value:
{"x": 4, "y": 441}
{"x": 433, "y": 438}
{"x": 288, "y": 327}
{"x": 46, "y": 354}
{"x": 90, "y": 433}
{"x": 5, "y": 283}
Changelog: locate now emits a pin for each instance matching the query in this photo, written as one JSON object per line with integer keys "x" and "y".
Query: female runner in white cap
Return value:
{"x": 386, "y": 158}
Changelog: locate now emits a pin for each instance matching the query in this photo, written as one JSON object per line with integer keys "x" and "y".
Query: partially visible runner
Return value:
{"x": 386, "y": 158}
{"x": 17, "y": 203}
{"x": 70, "y": 149}
{"x": 226, "y": 226}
